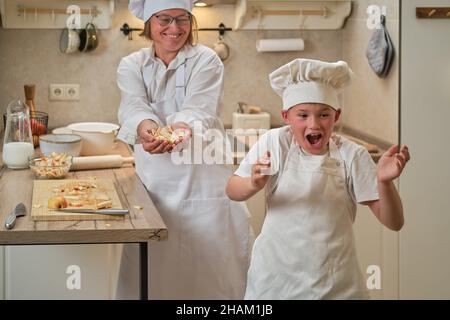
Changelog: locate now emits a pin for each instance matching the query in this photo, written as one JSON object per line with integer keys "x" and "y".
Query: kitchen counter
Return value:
{"x": 142, "y": 224}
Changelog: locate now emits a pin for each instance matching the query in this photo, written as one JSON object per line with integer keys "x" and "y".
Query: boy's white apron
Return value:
{"x": 306, "y": 246}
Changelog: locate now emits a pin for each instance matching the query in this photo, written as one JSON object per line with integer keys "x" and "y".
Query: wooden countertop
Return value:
{"x": 140, "y": 225}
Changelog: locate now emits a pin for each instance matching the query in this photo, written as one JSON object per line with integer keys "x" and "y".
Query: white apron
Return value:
{"x": 306, "y": 247}
{"x": 206, "y": 255}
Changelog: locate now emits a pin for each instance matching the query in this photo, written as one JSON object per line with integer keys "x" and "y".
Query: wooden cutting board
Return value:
{"x": 44, "y": 189}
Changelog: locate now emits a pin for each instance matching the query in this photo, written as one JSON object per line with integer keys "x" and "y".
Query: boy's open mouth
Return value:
{"x": 314, "y": 138}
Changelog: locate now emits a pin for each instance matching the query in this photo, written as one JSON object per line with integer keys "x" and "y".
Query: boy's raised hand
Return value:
{"x": 260, "y": 171}
{"x": 391, "y": 163}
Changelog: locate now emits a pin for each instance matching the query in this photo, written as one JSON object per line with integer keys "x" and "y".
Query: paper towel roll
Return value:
{"x": 272, "y": 45}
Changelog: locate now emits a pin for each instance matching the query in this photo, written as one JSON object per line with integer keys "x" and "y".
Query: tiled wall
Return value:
{"x": 371, "y": 103}
{"x": 32, "y": 56}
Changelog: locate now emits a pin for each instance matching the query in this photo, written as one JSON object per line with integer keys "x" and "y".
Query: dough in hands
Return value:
{"x": 168, "y": 134}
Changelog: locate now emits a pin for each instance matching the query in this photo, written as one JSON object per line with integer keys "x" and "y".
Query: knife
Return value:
{"x": 19, "y": 211}
{"x": 93, "y": 211}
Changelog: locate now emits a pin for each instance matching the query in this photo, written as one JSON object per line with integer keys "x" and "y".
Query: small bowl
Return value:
{"x": 46, "y": 168}
{"x": 69, "y": 144}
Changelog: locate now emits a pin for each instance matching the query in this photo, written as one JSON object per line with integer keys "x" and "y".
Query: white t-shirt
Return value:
{"x": 361, "y": 170}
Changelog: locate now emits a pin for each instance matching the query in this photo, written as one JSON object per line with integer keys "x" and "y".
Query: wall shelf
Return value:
{"x": 433, "y": 12}
{"x": 291, "y": 14}
{"x": 52, "y": 14}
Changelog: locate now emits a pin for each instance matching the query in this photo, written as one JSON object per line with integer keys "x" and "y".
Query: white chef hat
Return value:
{"x": 310, "y": 81}
{"x": 144, "y": 9}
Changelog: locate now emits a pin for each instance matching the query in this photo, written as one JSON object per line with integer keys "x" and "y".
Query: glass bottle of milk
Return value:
{"x": 18, "y": 141}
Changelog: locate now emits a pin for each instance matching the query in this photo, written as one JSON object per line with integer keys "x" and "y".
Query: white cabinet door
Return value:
{"x": 425, "y": 184}
{"x": 51, "y": 272}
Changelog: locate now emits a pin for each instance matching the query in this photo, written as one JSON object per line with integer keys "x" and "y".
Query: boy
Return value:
{"x": 314, "y": 180}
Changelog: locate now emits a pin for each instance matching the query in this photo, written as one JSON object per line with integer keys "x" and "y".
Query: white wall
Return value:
{"x": 371, "y": 103}
{"x": 424, "y": 187}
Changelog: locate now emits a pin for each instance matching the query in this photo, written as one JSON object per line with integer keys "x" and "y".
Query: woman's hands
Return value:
{"x": 260, "y": 171}
{"x": 155, "y": 146}
{"x": 391, "y": 163}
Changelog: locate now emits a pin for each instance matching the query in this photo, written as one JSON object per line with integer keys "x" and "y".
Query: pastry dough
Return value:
{"x": 167, "y": 134}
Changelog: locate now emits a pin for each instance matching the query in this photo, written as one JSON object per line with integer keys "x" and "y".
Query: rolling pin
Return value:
{"x": 99, "y": 162}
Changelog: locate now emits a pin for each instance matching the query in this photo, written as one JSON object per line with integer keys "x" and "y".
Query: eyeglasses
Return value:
{"x": 164, "y": 20}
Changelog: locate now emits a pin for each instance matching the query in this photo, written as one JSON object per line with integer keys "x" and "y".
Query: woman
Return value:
{"x": 178, "y": 83}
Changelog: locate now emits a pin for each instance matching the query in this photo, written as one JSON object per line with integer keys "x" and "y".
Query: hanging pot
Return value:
{"x": 222, "y": 50}
{"x": 69, "y": 41}
{"x": 88, "y": 38}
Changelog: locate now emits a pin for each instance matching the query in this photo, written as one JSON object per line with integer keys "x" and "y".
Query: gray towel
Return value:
{"x": 380, "y": 51}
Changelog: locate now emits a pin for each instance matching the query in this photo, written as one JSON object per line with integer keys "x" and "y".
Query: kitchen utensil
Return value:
{"x": 18, "y": 140}
{"x": 88, "y": 38}
{"x": 222, "y": 50}
{"x": 69, "y": 144}
{"x": 44, "y": 189}
{"x": 38, "y": 119}
{"x": 19, "y": 211}
{"x": 69, "y": 41}
{"x": 380, "y": 50}
{"x": 62, "y": 130}
{"x": 30, "y": 92}
{"x": 46, "y": 168}
{"x": 100, "y": 162}
{"x": 101, "y": 211}
{"x": 98, "y": 137}
{"x": 241, "y": 106}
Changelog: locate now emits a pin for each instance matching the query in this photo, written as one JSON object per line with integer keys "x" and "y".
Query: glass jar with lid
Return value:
{"x": 18, "y": 141}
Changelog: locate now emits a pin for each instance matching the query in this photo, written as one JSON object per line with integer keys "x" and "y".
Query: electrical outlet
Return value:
{"x": 72, "y": 91}
{"x": 57, "y": 92}
{"x": 64, "y": 92}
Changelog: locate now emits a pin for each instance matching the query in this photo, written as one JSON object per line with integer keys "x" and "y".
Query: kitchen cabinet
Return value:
{"x": 290, "y": 15}
{"x": 42, "y": 272}
{"x": 51, "y": 14}
{"x": 425, "y": 184}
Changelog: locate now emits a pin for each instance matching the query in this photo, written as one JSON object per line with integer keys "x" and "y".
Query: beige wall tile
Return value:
{"x": 371, "y": 103}
{"x": 32, "y": 56}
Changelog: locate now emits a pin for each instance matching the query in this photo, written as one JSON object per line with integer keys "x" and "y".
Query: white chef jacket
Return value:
{"x": 204, "y": 78}
{"x": 207, "y": 253}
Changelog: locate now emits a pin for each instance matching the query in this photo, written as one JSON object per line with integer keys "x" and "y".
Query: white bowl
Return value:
{"x": 62, "y": 130}
{"x": 69, "y": 144}
{"x": 98, "y": 137}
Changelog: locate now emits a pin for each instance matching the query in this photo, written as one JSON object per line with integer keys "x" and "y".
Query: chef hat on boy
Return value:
{"x": 310, "y": 81}
{"x": 144, "y": 9}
